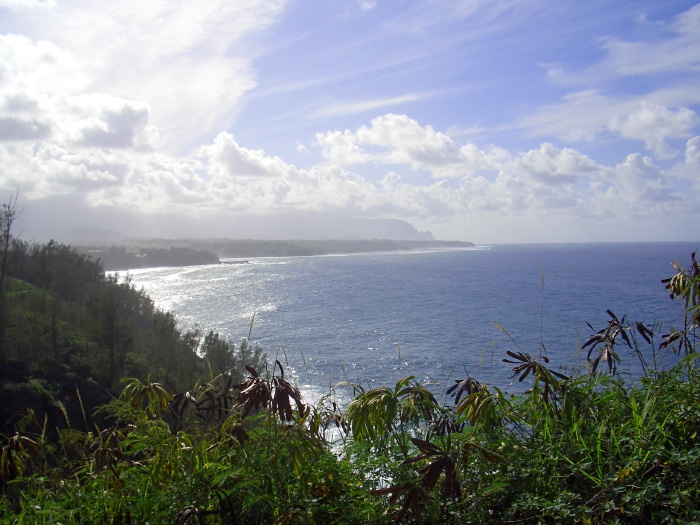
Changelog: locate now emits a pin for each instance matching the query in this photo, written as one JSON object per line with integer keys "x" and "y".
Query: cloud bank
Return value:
{"x": 126, "y": 116}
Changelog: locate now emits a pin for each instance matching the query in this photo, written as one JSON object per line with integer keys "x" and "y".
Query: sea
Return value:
{"x": 436, "y": 315}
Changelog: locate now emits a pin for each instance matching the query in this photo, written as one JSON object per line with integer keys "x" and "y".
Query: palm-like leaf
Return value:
{"x": 15, "y": 456}
{"x": 154, "y": 395}
{"x": 526, "y": 365}
{"x": 605, "y": 340}
{"x": 441, "y": 462}
{"x": 284, "y": 394}
{"x": 685, "y": 285}
{"x": 375, "y": 414}
{"x": 215, "y": 399}
{"x": 479, "y": 407}
{"x": 463, "y": 387}
{"x": 255, "y": 393}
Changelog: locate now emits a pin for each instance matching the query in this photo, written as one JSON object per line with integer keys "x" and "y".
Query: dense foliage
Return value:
{"x": 119, "y": 258}
{"x": 63, "y": 310}
{"x": 246, "y": 448}
{"x": 67, "y": 328}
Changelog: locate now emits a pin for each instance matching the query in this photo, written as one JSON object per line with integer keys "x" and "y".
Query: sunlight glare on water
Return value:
{"x": 334, "y": 318}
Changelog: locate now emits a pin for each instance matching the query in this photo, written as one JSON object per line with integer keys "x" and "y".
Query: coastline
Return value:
{"x": 158, "y": 253}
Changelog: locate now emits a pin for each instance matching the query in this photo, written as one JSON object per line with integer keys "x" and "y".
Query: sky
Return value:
{"x": 492, "y": 121}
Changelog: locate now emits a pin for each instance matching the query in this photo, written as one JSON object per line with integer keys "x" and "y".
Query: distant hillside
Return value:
{"x": 116, "y": 226}
{"x": 190, "y": 252}
{"x": 119, "y": 257}
{"x": 253, "y": 248}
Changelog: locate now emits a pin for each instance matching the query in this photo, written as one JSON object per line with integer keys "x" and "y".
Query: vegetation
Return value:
{"x": 118, "y": 258}
{"x": 197, "y": 430}
{"x": 160, "y": 252}
{"x": 65, "y": 325}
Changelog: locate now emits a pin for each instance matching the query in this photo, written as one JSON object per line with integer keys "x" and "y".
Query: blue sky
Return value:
{"x": 490, "y": 121}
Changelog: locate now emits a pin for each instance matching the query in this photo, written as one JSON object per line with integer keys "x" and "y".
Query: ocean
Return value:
{"x": 373, "y": 318}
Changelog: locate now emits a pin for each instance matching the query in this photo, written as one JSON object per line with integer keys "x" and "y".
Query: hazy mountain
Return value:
{"x": 318, "y": 226}
{"x": 48, "y": 219}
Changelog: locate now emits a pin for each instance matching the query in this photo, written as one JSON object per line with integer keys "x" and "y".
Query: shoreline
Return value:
{"x": 195, "y": 252}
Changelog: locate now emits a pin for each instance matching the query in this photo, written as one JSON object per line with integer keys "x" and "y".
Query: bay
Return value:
{"x": 373, "y": 318}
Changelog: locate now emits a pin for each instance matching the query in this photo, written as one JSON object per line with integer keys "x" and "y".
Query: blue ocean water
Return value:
{"x": 373, "y": 318}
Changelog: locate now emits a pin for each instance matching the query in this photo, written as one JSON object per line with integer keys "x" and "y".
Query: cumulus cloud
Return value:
{"x": 41, "y": 97}
{"x": 492, "y": 183}
{"x": 122, "y": 127}
{"x": 398, "y": 139}
{"x": 692, "y": 152}
{"x": 689, "y": 168}
{"x": 227, "y": 160}
{"x": 248, "y": 180}
{"x": 226, "y": 176}
{"x": 14, "y": 128}
{"x": 182, "y": 63}
{"x": 640, "y": 181}
{"x": 536, "y": 182}
{"x": 429, "y": 178}
{"x": 32, "y": 69}
{"x": 550, "y": 166}
{"x": 583, "y": 116}
{"x": 654, "y": 124}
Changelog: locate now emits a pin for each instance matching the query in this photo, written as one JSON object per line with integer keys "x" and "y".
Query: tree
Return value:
{"x": 7, "y": 217}
{"x": 219, "y": 352}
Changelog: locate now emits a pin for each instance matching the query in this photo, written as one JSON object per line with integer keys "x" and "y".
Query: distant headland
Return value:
{"x": 151, "y": 253}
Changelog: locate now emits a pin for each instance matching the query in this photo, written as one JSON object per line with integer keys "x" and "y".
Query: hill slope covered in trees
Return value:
{"x": 65, "y": 324}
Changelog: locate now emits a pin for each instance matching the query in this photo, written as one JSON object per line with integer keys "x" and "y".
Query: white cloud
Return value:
{"x": 679, "y": 51}
{"x": 228, "y": 160}
{"x": 639, "y": 182}
{"x": 663, "y": 63}
{"x": 653, "y": 124}
{"x": 398, "y": 139}
{"x": 350, "y": 108}
{"x": 14, "y": 128}
{"x": 538, "y": 184}
{"x": 34, "y": 69}
{"x": 550, "y": 166}
{"x": 580, "y": 116}
{"x": 46, "y": 169}
{"x": 41, "y": 97}
{"x": 248, "y": 180}
{"x": 689, "y": 168}
{"x": 27, "y": 4}
{"x": 692, "y": 153}
{"x": 543, "y": 184}
{"x": 182, "y": 63}
{"x": 667, "y": 48}
{"x": 341, "y": 147}
{"x": 124, "y": 126}
{"x": 133, "y": 105}
{"x": 584, "y": 116}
